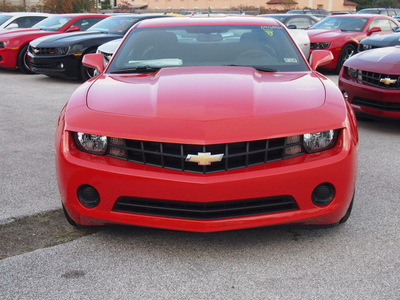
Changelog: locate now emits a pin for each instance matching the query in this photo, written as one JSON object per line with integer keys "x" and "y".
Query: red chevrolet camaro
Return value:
{"x": 207, "y": 124}
{"x": 341, "y": 34}
{"x": 14, "y": 43}
{"x": 370, "y": 81}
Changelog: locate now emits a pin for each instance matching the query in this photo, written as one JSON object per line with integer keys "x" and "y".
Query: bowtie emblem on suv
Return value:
{"x": 204, "y": 158}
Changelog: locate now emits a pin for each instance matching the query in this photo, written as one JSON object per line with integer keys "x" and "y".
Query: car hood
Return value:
{"x": 327, "y": 34}
{"x": 206, "y": 105}
{"x": 67, "y": 39}
{"x": 381, "y": 60}
{"x": 206, "y": 93}
{"x": 6, "y": 34}
{"x": 382, "y": 39}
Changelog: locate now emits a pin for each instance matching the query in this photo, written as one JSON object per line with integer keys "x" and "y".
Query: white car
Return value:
{"x": 14, "y": 20}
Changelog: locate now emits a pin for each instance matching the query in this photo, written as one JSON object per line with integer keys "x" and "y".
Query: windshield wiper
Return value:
{"x": 141, "y": 69}
{"x": 258, "y": 68}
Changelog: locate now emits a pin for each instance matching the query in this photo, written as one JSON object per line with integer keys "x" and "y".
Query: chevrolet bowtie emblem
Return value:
{"x": 388, "y": 81}
{"x": 35, "y": 51}
{"x": 204, "y": 158}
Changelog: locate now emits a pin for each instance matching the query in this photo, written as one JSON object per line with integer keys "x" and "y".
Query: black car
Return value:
{"x": 295, "y": 21}
{"x": 380, "y": 40}
{"x": 61, "y": 55}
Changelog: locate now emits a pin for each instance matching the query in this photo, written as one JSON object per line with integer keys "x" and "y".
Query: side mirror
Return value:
{"x": 320, "y": 58}
{"x": 94, "y": 60}
{"x": 373, "y": 30}
{"x": 73, "y": 28}
{"x": 292, "y": 26}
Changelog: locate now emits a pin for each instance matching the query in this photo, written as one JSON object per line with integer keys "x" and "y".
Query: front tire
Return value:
{"x": 22, "y": 61}
{"x": 345, "y": 54}
{"x": 85, "y": 72}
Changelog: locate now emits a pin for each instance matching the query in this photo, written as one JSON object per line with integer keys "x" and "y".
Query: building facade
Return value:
{"x": 21, "y": 3}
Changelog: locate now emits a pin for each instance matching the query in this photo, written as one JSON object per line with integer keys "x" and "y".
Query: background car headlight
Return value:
{"x": 3, "y": 44}
{"x": 354, "y": 73}
{"x": 91, "y": 143}
{"x": 61, "y": 50}
{"x": 75, "y": 50}
{"x": 364, "y": 47}
{"x": 319, "y": 141}
{"x": 320, "y": 45}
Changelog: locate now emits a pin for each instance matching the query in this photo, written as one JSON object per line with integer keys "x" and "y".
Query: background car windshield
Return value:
{"x": 263, "y": 47}
{"x": 53, "y": 23}
{"x": 344, "y": 24}
{"x": 4, "y": 18}
{"x": 118, "y": 25}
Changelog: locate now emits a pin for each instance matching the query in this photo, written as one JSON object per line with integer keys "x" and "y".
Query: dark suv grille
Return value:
{"x": 235, "y": 155}
{"x": 205, "y": 211}
{"x": 375, "y": 79}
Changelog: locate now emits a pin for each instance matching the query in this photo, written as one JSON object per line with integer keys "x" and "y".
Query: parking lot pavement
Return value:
{"x": 357, "y": 260}
{"x": 29, "y": 108}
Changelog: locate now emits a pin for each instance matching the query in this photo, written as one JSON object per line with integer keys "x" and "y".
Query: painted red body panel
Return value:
{"x": 383, "y": 61}
{"x": 17, "y": 39}
{"x": 339, "y": 39}
{"x": 207, "y": 105}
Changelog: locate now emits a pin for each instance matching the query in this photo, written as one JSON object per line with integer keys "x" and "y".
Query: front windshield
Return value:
{"x": 52, "y": 23}
{"x": 4, "y": 18}
{"x": 266, "y": 48}
{"x": 114, "y": 25}
{"x": 344, "y": 24}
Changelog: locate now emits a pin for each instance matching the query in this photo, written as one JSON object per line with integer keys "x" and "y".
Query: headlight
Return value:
{"x": 320, "y": 45}
{"x": 354, "y": 73}
{"x": 3, "y": 44}
{"x": 75, "y": 50}
{"x": 319, "y": 141}
{"x": 91, "y": 143}
{"x": 364, "y": 47}
{"x": 61, "y": 50}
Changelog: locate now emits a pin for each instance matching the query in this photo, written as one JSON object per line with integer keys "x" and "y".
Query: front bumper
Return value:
{"x": 296, "y": 177}
{"x": 370, "y": 100}
{"x": 56, "y": 66}
{"x": 8, "y": 58}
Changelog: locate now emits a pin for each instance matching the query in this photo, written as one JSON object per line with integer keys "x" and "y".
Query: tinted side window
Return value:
{"x": 86, "y": 23}
{"x": 26, "y": 22}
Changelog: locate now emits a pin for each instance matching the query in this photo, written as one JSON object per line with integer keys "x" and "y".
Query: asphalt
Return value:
{"x": 357, "y": 260}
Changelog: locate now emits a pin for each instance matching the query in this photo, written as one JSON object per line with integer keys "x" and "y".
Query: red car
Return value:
{"x": 207, "y": 124}
{"x": 341, "y": 34}
{"x": 14, "y": 44}
{"x": 370, "y": 81}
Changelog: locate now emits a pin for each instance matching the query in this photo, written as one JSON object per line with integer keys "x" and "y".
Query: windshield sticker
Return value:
{"x": 269, "y": 30}
{"x": 291, "y": 60}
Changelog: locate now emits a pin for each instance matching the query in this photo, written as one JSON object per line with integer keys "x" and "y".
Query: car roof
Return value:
{"x": 206, "y": 20}
{"x": 21, "y": 14}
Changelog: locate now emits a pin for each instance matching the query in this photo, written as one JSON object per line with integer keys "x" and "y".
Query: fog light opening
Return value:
{"x": 323, "y": 194}
{"x": 88, "y": 195}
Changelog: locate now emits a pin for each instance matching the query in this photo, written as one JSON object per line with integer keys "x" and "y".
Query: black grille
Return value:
{"x": 379, "y": 105}
{"x": 42, "y": 51}
{"x": 375, "y": 79}
{"x": 235, "y": 155}
{"x": 205, "y": 211}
